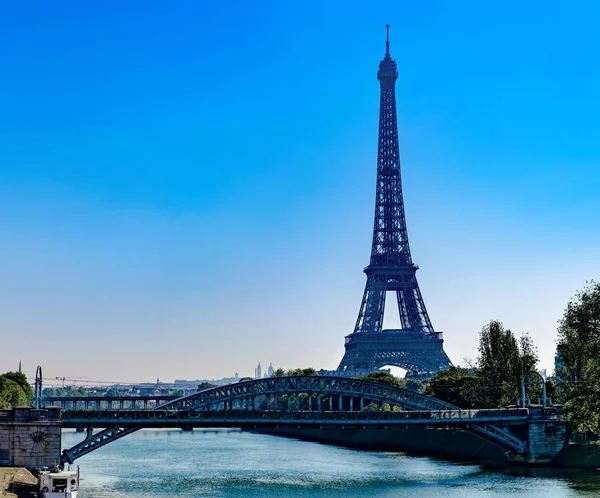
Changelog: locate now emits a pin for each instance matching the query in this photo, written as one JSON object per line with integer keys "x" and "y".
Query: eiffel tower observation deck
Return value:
{"x": 416, "y": 346}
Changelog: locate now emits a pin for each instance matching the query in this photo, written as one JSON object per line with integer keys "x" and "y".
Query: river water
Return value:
{"x": 223, "y": 463}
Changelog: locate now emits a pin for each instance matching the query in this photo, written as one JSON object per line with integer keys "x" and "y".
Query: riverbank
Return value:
{"x": 17, "y": 482}
{"x": 579, "y": 456}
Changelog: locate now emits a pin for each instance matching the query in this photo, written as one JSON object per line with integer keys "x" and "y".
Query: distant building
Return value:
{"x": 270, "y": 370}
{"x": 258, "y": 372}
{"x": 20, "y": 371}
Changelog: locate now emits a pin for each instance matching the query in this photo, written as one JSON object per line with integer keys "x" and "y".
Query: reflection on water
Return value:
{"x": 172, "y": 463}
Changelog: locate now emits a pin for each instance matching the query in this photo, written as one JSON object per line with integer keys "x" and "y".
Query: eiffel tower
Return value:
{"x": 416, "y": 346}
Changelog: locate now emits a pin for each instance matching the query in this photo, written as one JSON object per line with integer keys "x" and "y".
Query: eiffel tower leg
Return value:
{"x": 372, "y": 308}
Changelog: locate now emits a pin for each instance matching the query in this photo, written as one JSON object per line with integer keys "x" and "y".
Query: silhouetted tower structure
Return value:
{"x": 416, "y": 346}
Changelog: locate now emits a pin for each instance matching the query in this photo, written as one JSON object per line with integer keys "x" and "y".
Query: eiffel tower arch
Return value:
{"x": 416, "y": 346}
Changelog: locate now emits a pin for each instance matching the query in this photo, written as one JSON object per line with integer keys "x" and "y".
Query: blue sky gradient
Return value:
{"x": 188, "y": 189}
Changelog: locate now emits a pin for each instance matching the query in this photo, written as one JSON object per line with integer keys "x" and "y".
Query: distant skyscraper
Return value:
{"x": 258, "y": 372}
{"x": 20, "y": 371}
{"x": 270, "y": 370}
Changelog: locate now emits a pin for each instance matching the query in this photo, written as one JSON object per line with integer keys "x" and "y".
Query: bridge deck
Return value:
{"x": 238, "y": 418}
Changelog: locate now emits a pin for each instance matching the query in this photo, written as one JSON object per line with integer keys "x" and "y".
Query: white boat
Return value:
{"x": 59, "y": 484}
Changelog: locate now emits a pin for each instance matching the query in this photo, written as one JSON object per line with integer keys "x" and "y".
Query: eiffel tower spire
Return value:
{"x": 415, "y": 346}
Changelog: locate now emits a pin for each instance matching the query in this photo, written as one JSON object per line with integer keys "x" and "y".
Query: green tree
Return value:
{"x": 583, "y": 406}
{"x": 11, "y": 394}
{"x": 502, "y": 362}
{"x": 20, "y": 379}
{"x": 578, "y": 352}
{"x": 418, "y": 386}
{"x": 280, "y": 372}
{"x": 455, "y": 386}
{"x": 80, "y": 392}
{"x": 205, "y": 385}
{"x": 579, "y": 332}
{"x": 384, "y": 378}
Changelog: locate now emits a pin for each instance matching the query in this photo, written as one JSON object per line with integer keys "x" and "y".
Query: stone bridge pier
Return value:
{"x": 30, "y": 437}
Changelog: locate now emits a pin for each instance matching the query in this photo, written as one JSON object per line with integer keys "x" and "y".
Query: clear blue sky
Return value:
{"x": 187, "y": 188}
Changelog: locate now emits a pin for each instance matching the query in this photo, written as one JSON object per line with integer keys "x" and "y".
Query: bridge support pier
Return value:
{"x": 30, "y": 437}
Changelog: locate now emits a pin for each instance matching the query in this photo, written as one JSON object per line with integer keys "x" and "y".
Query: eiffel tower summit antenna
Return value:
{"x": 387, "y": 39}
{"x": 415, "y": 346}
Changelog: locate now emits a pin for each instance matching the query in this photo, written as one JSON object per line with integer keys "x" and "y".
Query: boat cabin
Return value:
{"x": 62, "y": 484}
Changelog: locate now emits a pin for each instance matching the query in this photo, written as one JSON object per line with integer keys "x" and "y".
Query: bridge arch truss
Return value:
{"x": 293, "y": 395}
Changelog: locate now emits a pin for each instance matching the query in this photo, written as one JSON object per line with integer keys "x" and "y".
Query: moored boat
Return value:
{"x": 59, "y": 483}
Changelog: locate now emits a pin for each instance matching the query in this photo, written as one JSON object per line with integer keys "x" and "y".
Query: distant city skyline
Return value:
{"x": 189, "y": 188}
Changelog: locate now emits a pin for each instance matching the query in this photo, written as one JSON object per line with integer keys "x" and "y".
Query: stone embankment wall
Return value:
{"x": 580, "y": 456}
{"x": 30, "y": 438}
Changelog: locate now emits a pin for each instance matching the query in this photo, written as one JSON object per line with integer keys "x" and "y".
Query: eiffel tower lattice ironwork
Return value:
{"x": 416, "y": 346}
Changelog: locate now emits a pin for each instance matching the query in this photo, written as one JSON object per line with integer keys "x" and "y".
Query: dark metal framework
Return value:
{"x": 416, "y": 346}
{"x": 303, "y": 401}
{"x": 99, "y": 403}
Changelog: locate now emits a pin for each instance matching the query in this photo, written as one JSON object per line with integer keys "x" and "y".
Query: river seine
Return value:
{"x": 173, "y": 463}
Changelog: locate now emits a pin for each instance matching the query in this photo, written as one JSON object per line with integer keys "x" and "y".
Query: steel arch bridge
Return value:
{"x": 306, "y": 401}
{"x": 270, "y": 389}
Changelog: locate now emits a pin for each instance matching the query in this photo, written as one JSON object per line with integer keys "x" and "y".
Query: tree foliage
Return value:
{"x": 415, "y": 385}
{"x": 295, "y": 372}
{"x": 384, "y": 378}
{"x": 205, "y": 385}
{"x": 583, "y": 406}
{"x": 20, "y": 379}
{"x": 579, "y": 331}
{"x": 578, "y": 354}
{"x": 11, "y": 392}
{"x": 456, "y": 386}
{"x": 502, "y": 362}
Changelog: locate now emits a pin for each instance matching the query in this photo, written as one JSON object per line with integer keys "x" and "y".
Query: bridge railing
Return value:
{"x": 434, "y": 416}
{"x": 107, "y": 402}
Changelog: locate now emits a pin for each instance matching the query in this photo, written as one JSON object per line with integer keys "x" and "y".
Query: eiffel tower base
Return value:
{"x": 420, "y": 354}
